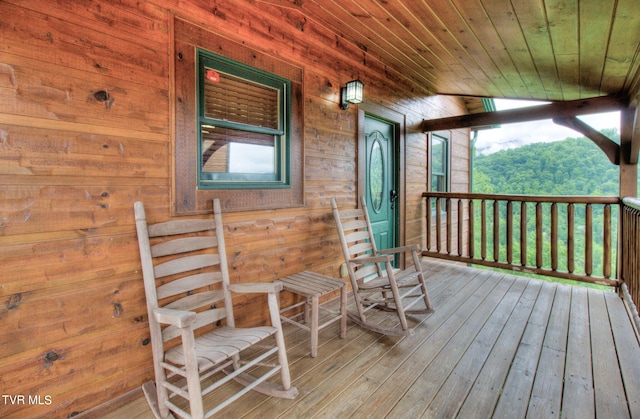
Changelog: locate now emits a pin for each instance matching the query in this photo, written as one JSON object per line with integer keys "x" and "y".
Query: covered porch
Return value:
{"x": 498, "y": 345}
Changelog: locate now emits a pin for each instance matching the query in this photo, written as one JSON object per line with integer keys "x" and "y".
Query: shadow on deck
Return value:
{"x": 498, "y": 345}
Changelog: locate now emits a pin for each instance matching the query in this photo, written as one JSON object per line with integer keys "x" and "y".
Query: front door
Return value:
{"x": 381, "y": 183}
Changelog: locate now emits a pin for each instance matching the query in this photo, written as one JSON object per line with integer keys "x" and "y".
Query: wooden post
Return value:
{"x": 629, "y": 140}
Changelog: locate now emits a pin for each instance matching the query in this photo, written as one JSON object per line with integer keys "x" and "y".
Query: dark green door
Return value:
{"x": 380, "y": 191}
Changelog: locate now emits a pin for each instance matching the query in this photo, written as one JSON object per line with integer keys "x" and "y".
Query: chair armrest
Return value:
{"x": 256, "y": 287}
{"x": 364, "y": 259}
{"x": 409, "y": 248}
{"x": 178, "y": 318}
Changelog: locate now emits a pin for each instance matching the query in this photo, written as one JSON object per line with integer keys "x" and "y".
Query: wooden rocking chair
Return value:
{"x": 193, "y": 334}
{"x": 375, "y": 286}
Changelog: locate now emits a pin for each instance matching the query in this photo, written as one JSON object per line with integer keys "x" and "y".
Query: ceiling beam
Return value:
{"x": 610, "y": 148}
{"x": 533, "y": 113}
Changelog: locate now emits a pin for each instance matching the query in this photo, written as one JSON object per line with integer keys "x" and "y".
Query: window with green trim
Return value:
{"x": 439, "y": 165}
{"x": 440, "y": 162}
{"x": 243, "y": 125}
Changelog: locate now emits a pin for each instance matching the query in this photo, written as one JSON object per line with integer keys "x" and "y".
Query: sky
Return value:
{"x": 517, "y": 135}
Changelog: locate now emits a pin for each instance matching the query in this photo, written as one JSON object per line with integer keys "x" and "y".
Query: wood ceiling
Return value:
{"x": 527, "y": 49}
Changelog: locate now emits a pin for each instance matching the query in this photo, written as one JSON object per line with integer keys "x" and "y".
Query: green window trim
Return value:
{"x": 270, "y": 129}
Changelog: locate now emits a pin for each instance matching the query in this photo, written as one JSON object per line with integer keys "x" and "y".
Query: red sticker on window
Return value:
{"x": 212, "y": 75}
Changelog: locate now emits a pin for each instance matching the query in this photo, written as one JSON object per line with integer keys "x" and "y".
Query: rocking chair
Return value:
{"x": 374, "y": 286}
{"x": 193, "y": 334}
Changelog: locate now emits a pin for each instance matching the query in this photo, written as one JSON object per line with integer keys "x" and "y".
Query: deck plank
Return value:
{"x": 427, "y": 385}
{"x": 578, "y": 400}
{"x": 609, "y": 389}
{"x": 484, "y": 394}
{"x": 458, "y": 384}
{"x": 628, "y": 351}
{"x": 376, "y": 375}
{"x": 513, "y": 400}
{"x": 546, "y": 396}
{"x": 384, "y": 399}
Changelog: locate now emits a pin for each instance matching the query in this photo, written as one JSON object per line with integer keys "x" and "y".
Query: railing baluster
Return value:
{"x": 460, "y": 227}
{"x": 570, "y": 238}
{"x": 588, "y": 240}
{"x": 523, "y": 233}
{"x": 472, "y": 227}
{"x": 496, "y": 230}
{"x": 438, "y": 225}
{"x": 509, "y": 232}
{"x": 428, "y": 209}
{"x": 554, "y": 236}
{"x": 539, "y": 234}
{"x": 483, "y": 230}
{"x": 606, "y": 235}
{"x": 449, "y": 225}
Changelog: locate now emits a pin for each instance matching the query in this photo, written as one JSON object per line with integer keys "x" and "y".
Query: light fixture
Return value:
{"x": 351, "y": 93}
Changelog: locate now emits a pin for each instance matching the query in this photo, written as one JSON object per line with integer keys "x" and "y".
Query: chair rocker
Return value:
{"x": 373, "y": 285}
{"x": 196, "y": 346}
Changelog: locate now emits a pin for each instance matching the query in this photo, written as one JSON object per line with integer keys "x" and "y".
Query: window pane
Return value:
{"x": 233, "y": 151}
{"x": 437, "y": 157}
{"x": 233, "y": 99}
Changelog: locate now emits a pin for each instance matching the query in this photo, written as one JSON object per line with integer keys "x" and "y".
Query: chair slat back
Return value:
{"x": 184, "y": 267}
{"x": 356, "y": 238}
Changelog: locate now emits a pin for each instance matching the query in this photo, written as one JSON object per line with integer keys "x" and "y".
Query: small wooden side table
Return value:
{"x": 312, "y": 286}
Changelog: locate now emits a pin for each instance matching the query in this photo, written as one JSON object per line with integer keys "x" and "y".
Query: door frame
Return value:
{"x": 398, "y": 120}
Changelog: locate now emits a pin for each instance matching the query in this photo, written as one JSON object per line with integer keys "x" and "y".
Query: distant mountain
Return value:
{"x": 574, "y": 166}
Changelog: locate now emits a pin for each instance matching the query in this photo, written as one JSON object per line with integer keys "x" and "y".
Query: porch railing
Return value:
{"x": 566, "y": 237}
{"x": 630, "y": 249}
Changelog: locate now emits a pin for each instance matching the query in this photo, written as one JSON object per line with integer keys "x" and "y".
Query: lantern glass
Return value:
{"x": 354, "y": 91}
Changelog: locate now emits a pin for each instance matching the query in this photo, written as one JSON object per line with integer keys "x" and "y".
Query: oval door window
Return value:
{"x": 376, "y": 176}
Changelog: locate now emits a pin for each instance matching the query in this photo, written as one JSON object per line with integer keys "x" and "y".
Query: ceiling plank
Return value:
{"x": 453, "y": 35}
{"x": 623, "y": 59}
{"x": 533, "y": 113}
{"x": 506, "y": 24}
{"x": 535, "y": 28}
{"x": 595, "y": 22}
{"x": 610, "y": 149}
{"x": 506, "y": 77}
{"x": 564, "y": 26}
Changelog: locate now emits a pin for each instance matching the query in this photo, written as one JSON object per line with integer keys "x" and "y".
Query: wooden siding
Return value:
{"x": 73, "y": 319}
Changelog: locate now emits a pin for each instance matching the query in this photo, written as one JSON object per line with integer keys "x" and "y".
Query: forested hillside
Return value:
{"x": 574, "y": 166}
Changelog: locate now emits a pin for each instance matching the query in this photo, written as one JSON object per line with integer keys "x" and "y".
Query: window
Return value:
{"x": 238, "y": 128}
{"x": 440, "y": 162}
{"x": 243, "y": 125}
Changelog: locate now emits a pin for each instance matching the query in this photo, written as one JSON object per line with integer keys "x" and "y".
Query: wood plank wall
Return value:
{"x": 85, "y": 131}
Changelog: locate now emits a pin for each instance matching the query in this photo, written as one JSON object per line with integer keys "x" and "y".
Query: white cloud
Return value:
{"x": 517, "y": 135}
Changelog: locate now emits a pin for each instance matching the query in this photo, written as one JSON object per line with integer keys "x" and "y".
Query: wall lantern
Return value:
{"x": 351, "y": 93}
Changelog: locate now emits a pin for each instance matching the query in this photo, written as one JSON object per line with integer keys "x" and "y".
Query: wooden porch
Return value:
{"x": 498, "y": 345}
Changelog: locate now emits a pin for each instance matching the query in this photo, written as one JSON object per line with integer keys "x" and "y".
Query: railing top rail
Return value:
{"x": 632, "y": 202}
{"x": 530, "y": 198}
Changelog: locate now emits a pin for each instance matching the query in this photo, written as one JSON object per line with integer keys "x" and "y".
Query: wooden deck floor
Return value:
{"x": 497, "y": 346}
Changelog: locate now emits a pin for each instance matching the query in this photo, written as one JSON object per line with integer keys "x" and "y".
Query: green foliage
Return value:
{"x": 574, "y": 166}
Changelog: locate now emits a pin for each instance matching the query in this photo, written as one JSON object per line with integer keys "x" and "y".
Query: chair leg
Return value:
{"x": 314, "y": 325}
{"x": 397, "y": 298}
{"x": 423, "y": 284}
{"x": 279, "y": 336}
{"x": 193, "y": 377}
{"x": 343, "y": 312}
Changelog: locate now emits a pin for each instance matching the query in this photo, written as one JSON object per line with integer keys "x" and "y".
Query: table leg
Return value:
{"x": 314, "y": 326}
{"x": 343, "y": 312}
